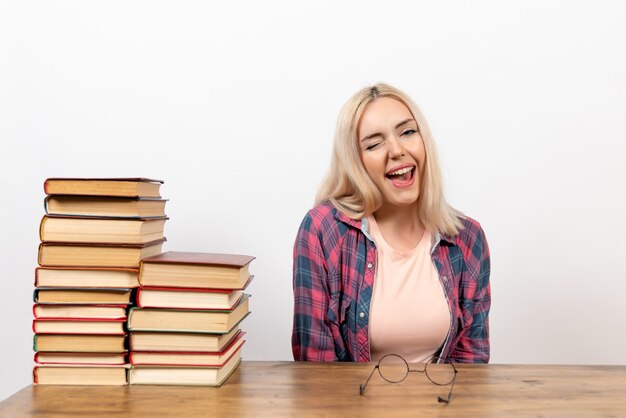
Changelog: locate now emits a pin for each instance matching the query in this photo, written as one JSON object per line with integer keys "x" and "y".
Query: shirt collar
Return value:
{"x": 450, "y": 240}
{"x": 340, "y": 216}
{"x": 363, "y": 225}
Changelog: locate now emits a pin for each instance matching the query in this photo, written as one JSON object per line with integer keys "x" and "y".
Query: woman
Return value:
{"x": 383, "y": 264}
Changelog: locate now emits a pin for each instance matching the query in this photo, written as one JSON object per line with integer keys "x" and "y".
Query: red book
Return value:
{"x": 200, "y": 359}
{"x": 187, "y": 298}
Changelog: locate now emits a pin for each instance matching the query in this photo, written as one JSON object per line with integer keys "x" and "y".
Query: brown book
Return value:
{"x": 182, "y": 298}
{"x": 86, "y": 277}
{"x": 186, "y": 376}
{"x": 44, "y": 357}
{"x": 195, "y": 270}
{"x": 79, "y": 343}
{"x": 126, "y": 187}
{"x": 104, "y": 206}
{"x": 180, "y": 341}
{"x": 80, "y": 375}
{"x": 160, "y": 358}
{"x": 79, "y": 326}
{"x": 63, "y": 311}
{"x": 82, "y": 296}
{"x": 100, "y": 230}
{"x": 187, "y": 320}
{"x": 62, "y": 254}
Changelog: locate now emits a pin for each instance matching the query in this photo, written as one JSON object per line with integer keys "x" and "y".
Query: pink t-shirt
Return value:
{"x": 409, "y": 313}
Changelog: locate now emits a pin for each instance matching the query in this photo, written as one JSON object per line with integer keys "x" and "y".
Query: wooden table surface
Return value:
{"x": 285, "y": 389}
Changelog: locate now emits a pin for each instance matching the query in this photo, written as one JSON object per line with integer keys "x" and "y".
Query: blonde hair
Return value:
{"x": 348, "y": 186}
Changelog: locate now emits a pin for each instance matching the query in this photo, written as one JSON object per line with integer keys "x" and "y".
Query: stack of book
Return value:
{"x": 93, "y": 237}
{"x": 185, "y": 328}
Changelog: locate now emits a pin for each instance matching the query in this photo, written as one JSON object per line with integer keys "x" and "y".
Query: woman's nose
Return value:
{"x": 395, "y": 148}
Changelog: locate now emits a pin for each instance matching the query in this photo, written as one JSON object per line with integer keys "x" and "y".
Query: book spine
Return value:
{"x": 35, "y": 343}
{"x": 39, "y": 254}
{"x": 41, "y": 226}
{"x": 129, "y": 316}
{"x": 35, "y": 376}
{"x": 140, "y": 273}
{"x": 138, "y": 296}
{"x": 45, "y": 204}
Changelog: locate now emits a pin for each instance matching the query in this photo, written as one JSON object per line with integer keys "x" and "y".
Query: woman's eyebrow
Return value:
{"x": 370, "y": 136}
{"x": 404, "y": 122}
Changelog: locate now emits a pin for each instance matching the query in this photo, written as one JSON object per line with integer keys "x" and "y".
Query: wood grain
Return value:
{"x": 286, "y": 389}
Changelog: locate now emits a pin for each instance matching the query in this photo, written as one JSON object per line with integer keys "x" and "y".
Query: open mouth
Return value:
{"x": 402, "y": 176}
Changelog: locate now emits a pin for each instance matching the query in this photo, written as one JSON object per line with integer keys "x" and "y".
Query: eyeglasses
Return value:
{"x": 394, "y": 369}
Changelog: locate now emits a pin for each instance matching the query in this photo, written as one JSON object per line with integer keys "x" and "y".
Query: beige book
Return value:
{"x": 86, "y": 277}
{"x": 61, "y": 254}
{"x": 80, "y": 375}
{"x": 104, "y": 206}
{"x": 180, "y": 341}
{"x": 125, "y": 187}
{"x": 83, "y": 296}
{"x": 44, "y": 357}
{"x": 157, "y": 297}
{"x": 91, "y": 326}
{"x": 79, "y": 311}
{"x": 187, "y": 320}
{"x": 100, "y": 230}
{"x": 68, "y": 343}
{"x": 186, "y": 376}
{"x": 196, "y": 270}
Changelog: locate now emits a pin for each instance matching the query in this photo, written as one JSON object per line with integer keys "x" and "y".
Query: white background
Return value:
{"x": 234, "y": 106}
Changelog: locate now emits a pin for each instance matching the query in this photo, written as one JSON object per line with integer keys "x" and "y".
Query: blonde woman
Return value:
{"x": 382, "y": 263}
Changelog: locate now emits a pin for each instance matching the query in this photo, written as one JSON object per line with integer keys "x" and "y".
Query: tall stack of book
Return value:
{"x": 185, "y": 328}
{"x": 93, "y": 237}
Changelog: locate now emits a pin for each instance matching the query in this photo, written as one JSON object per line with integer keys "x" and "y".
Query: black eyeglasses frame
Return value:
{"x": 434, "y": 360}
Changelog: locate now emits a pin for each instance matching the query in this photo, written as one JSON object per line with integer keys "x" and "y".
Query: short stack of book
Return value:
{"x": 93, "y": 237}
{"x": 185, "y": 329}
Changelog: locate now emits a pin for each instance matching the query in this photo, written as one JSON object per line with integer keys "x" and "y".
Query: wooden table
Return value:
{"x": 282, "y": 389}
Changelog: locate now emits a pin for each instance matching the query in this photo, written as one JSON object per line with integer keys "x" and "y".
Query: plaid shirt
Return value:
{"x": 333, "y": 277}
